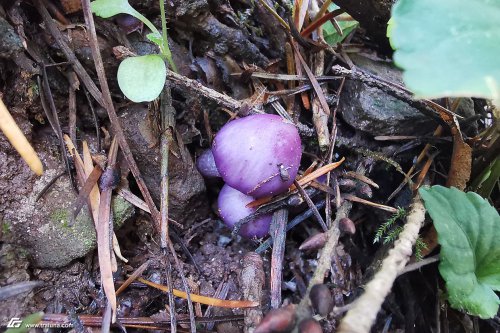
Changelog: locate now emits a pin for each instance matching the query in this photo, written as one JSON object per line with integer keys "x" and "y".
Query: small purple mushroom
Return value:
{"x": 258, "y": 155}
{"x": 206, "y": 165}
{"x": 232, "y": 208}
{"x": 128, "y": 23}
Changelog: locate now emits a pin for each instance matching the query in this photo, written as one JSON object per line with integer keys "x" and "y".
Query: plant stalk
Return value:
{"x": 165, "y": 50}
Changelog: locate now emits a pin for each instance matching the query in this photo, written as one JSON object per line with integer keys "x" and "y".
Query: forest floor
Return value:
{"x": 233, "y": 59}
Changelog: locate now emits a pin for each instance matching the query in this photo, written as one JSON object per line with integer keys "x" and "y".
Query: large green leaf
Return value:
{"x": 108, "y": 8}
{"x": 468, "y": 230}
{"x": 142, "y": 78}
{"x": 448, "y": 47}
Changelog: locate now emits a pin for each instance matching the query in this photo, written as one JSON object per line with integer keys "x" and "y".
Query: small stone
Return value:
{"x": 347, "y": 226}
{"x": 321, "y": 299}
{"x": 310, "y": 326}
{"x": 314, "y": 242}
{"x": 277, "y": 320}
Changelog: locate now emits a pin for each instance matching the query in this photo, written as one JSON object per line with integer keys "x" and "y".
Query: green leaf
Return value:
{"x": 155, "y": 38}
{"x": 142, "y": 78}
{"x": 468, "y": 230}
{"x": 108, "y": 8}
{"x": 448, "y": 47}
{"x": 331, "y": 35}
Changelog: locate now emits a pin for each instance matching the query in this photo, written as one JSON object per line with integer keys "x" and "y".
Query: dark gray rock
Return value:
{"x": 187, "y": 201}
{"x": 10, "y": 43}
{"x": 371, "y": 110}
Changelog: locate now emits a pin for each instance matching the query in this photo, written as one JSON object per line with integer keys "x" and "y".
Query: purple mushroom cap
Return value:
{"x": 258, "y": 155}
{"x": 206, "y": 164}
{"x": 128, "y": 23}
{"x": 232, "y": 208}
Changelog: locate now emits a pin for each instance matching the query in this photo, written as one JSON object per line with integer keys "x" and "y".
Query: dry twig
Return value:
{"x": 16, "y": 137}
{"x": 278, "y": 233}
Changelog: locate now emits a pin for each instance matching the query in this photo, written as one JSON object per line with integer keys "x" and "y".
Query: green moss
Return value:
{"x": 22, "y": 253}
{"x": 6, "y": 228}
{"x": 122, "y": 210}
{"x": 58, "y": 215}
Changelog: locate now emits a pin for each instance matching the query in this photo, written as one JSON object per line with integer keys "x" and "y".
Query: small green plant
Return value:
{"x": 389, "y": 233}
{"x": 5, "y": 228}
{"x": 387, "y": 225}
{"x": 420, "y": 246}
{"x": 430, "y": 38}
{"x": 392, "y": 234}
{"x": 468, "y": 230}
{"x": 140, "y": 78}
{"x": 331, "y": 34}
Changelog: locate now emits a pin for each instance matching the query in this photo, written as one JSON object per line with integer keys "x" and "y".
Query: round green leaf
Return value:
{"x": 448, "y": 47}
{"x": 142, "y": 78}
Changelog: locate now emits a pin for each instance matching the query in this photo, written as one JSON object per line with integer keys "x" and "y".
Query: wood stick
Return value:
{"x": 18, "y": 140}
{"x": 278, "y": 232}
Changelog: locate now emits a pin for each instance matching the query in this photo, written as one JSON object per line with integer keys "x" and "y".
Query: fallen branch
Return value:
{"x": 360, "y": 318}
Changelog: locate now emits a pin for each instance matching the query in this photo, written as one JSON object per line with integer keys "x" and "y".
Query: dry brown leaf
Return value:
{"x": 460, "y": 168}
{"x": 461, "y": 159}
{"x": 299, "y": 13}
{"x": 103, "y": 239}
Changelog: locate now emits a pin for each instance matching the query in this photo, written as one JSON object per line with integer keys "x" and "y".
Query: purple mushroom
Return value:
{"x": 258, "y": 155}
{"x": 232, "y": 208}
{"x": 206, "y": 165}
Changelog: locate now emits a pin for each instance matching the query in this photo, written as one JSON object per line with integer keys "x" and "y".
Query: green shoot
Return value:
{"x": 387, "y": 225}
{"x": 142, "y": 78}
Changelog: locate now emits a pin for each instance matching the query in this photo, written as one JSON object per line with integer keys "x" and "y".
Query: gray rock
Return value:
{"x": 10, "y": 43}
{"x": 371, "y": 110}
{"x": 42, "y": 227}
{"x": 55, "y": 243}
